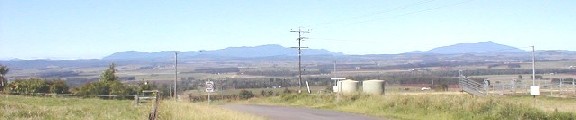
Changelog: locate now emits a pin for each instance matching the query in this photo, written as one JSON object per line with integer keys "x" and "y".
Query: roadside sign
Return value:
{"x": 209, "y": 86}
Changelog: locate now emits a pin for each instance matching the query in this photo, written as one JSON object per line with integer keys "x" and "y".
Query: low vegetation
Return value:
{"x": 35, "y": 86}
{"x": 14, "y": 107}
{"x": 48, "y": 108}
{"x": 422, "y": 106}
{"x": 245, "y": 94}
{"x": 172, "y": 110}
{"x": 107, "y": 85}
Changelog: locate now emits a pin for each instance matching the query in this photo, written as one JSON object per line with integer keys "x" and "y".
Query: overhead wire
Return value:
{"x": 383, "y": 12}
{"x": 415, "y": 12}
{"x": 394, "y": 9}
{"x": 378, "y": 12}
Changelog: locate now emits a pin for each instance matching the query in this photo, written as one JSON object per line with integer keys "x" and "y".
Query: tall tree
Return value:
{"x": 3, "y": 71}
{"x": 109, "y": 74}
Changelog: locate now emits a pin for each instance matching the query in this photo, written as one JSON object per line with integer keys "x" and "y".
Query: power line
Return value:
{"x": 380, "y": 12}
{"x": 405, "y": 14}
{"x": 300, "y": 39}
{"x": 415, "y": 12}
{"x": 350, "y": 40}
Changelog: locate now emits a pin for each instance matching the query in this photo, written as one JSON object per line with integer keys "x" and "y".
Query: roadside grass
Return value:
{"x": 548, "y": 104}
{"x": 13, "y": 107}
{"x": 28, "y": 107}
{"x": 419, "y": 107}
{"x": 172, "y": 110}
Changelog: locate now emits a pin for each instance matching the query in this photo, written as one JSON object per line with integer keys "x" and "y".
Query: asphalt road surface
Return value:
{"x": 293, "y": 113}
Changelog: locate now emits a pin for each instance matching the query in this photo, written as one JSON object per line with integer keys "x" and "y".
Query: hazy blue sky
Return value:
{"x": 72, "y": 29}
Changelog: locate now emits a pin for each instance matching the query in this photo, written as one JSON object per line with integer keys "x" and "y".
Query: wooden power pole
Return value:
{"x": 300, "y": 39}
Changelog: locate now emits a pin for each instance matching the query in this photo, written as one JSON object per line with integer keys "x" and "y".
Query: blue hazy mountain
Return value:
{"x": 230, "y": 52}
{"x": 480, "y": 47}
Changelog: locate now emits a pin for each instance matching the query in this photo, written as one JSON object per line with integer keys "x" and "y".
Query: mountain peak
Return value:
{"x": 479, "y": 47}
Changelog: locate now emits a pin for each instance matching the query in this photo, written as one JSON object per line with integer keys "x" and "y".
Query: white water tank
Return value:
{"x": 348, "y": 87}
{"x": 373, "y": 87}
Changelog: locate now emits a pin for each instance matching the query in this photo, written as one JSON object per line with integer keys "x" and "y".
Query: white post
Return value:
{"x": 551, "y": 83}
{"x": 534, "y": 90}
{"x": 308, "y": 87}
{"x": 561, "y": 81}
{"x": 533, "y": 68}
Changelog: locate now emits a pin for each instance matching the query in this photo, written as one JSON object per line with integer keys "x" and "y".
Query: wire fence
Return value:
{"x": 563, "y": 88}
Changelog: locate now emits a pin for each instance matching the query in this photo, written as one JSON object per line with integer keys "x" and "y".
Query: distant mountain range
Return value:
{"x": 272, "y": 50}
{"x": 482, "y": 51}
{"x": 231, "y": 52}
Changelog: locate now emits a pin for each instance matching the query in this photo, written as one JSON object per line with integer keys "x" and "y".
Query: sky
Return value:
{"x": 92, "y": 29}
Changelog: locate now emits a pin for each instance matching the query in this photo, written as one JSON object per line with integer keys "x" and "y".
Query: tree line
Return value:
{"x": 108, "y": 84}
{"x": 36, "y": 85}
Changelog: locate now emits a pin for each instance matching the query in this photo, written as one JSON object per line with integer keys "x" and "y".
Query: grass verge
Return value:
{"x": 14, "y": 107}
{"x": 418, "y": 107}
{"x": 172, "y": 110}
{"x": 48, "y": 108}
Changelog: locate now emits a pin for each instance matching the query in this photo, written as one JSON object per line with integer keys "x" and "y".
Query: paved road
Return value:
{"x": 293, "y": 113}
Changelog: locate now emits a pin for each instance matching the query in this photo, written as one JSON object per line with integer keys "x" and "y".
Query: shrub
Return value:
{"x": 104, "y": 88}
{"x": 287, "y": 91}
{"x": 58, "y": 87}
{"x": 245, "y": 94}
{"x": 265, "y": 93}
{"x": 35, "y": 85}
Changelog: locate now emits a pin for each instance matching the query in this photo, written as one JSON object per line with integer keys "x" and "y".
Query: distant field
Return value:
{"x": 550, "y": 65}
{"x": 26, "y": 107}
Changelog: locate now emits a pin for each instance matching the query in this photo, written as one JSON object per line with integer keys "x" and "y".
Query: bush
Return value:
{"x": 58, "y": 87}
{"x": 265, "y": 93}
{"x": 104, "y": 88}
{"x": 35, "y": 85}
{"x": 245, "y": 94}
{"x": 107, "y": 85}
{"x": 287, "y": 91}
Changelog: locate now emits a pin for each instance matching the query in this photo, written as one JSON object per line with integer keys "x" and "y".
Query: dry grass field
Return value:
{"x": 48, "y": 108}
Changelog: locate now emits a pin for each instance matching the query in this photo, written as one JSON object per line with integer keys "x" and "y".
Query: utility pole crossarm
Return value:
{"x": 300, "y": 31}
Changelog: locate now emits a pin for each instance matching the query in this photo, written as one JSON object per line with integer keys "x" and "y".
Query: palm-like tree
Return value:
{"x": 3, "y": 71}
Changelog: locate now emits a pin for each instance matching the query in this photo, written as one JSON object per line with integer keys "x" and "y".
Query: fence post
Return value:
{"x": 136, "y": 100}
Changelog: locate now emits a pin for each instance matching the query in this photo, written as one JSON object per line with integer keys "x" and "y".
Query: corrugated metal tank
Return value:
{"x": 373, "y": 87}
{"x": 348, "y": 87}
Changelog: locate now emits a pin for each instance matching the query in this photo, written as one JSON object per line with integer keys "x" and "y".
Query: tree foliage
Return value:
{"x": 36, "y": 85}
{"x": 58, "y": 87}
{"x": 245, "y": 94}
{"x": 107, "y": 85}
{"x": 109, "y": 74}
